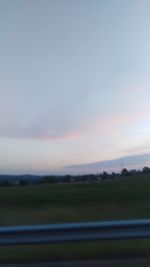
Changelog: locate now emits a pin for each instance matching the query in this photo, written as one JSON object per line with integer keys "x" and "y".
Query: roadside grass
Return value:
{"x": 124, "y": 198}
{"x": 106, "y": 200}
{"x": 77, "y": 251}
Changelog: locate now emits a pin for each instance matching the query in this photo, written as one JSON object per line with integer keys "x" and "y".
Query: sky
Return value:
{"x": 74, "y": 82}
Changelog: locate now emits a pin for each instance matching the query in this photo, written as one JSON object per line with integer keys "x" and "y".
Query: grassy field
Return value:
{"x": 107, "y": 200}
{"x": 124, "y": 198}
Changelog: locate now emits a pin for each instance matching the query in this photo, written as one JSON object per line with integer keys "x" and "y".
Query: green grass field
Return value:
{"x": 125, "y": 198}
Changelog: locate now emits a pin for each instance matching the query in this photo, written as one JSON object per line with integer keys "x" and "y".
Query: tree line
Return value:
{"x": 51, "y": 179}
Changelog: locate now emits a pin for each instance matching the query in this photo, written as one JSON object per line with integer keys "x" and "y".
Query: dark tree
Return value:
{"x": 146, "y": 170}
{"x": 5, "y": 182}
{"x": 124, "y": 172}
{"x": 67, "y": 178}
{"x": 23, "y": 182}
{"x": 104, "y": 175}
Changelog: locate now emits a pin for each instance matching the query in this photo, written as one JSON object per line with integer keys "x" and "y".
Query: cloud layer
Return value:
{"x": 74, "y": 81}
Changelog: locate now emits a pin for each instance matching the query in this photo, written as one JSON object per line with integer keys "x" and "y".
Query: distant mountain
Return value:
{"x": 129, "y": 162}
{"x": 13, "y": 178}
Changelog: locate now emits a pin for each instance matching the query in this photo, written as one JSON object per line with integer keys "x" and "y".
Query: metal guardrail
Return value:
{"x": 73, "y": 232}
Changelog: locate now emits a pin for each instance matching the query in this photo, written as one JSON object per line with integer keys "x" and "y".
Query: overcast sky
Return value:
{"x": 74, "y": 82}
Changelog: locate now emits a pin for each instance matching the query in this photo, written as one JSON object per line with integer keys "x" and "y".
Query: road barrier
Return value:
{"x": 74, "y": 232}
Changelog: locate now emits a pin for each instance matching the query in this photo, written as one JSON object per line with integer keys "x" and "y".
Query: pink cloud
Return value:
{"x": 115, "y": 124}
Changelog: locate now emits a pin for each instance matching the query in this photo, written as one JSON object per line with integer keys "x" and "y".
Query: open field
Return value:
{"x": 107, "y": 200}
{"x": 126, "y": 198}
